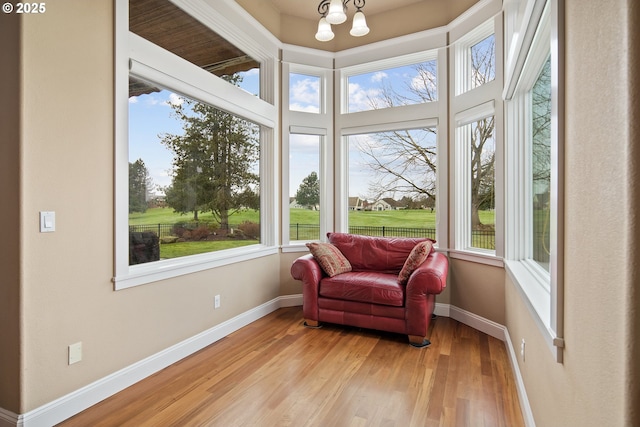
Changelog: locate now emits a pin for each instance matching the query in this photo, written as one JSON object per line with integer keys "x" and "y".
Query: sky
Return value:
{"x": 150, "y": 117}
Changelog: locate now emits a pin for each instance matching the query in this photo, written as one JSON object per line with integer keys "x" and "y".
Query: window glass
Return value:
{"x": 541, "y": 165}
{"x": 392, "y": 183}
{"x": 393, "y": 87}
{"x": 304, "y": 187}
{"x": 168, "y": 26}
{"x": 193, "y": 176}
{"x": 483, "y": 62}
{"x": 482, "y": 154}
{"x": 304, "y": 93}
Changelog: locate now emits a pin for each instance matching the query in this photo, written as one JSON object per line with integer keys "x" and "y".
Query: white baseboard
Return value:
{"x": 83, "y": 398}
{"x": 9, "y": 419}
{"x": 527, "y": 413}
{"x": 67, "y": 406}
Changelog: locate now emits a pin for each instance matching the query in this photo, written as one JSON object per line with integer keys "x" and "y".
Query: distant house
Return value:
{"x": 357, "y": 204}
{"x": 387, "y": 204}
{"x": 293, "y": 204}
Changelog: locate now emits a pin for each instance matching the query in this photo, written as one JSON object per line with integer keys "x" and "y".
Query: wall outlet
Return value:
{"x": 522, "y": 346}
{"x": 216, "y": 301}
{"x": 75, "y": 353}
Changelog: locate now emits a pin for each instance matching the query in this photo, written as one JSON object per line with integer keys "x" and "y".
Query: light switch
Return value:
{"x": 47, "y": 222}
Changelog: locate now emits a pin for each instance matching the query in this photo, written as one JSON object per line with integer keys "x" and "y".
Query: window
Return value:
{"x": 194, "y": 149}
{"x": 304, "y": 93}
{"x": 534, "y": 170}
{"x": 476, "y": 148}
{"x": 476, "y": 58}
{"x": 392, "y": 183}
{"x": 540, "y": 125}
{"x": 173, "y": 29}
{"x": 201, "y": 190}
{"x": 307, "y": 168}
{"x": 477, "y": 109}
{"x": 304, "y": 187}
{"x": 414, "y": 83}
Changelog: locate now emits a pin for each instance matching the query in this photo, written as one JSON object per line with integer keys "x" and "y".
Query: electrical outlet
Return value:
{"x": 75, "y": 353}
{"x": 522, "y": 346}
{"x": 216, "y": 301}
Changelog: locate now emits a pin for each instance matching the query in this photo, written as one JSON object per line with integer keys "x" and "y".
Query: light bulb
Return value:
{"x": 336, "y": 13}
{"x": 359, "y": 25}
{"x": 324, "y": 33}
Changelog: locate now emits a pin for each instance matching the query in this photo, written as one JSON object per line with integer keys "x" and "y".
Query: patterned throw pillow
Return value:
{"x": 330, "y": 258}
{"x": 418, "y": 255}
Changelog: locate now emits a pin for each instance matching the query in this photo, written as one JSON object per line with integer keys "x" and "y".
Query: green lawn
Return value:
{"x": 401, "y": 218}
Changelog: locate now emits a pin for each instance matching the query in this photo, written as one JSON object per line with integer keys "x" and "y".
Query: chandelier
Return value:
{"x": 334, "y": 12}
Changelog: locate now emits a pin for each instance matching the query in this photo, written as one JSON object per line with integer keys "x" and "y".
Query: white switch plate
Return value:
{"x": 216, "y": 301}
{"x": 47, "y": 222}
{"x": 75, "y": 353}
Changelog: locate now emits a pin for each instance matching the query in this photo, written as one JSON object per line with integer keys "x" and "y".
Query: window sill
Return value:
{"x": 296, "y": 246}
{"x": 535, "y": 293}
{"x": 480, "y": 256}
{"x": 160, "y": 270}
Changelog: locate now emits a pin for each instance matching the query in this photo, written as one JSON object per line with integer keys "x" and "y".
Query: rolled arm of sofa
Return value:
{"x": 307, "y": 269}
{"x": 430, "y": 277}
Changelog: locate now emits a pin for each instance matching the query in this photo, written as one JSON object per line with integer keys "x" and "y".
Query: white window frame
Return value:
{"x": 430, "y": 114}
{"x": 304, "y": 61}
{"x": 539, "y": 35}
{"x": 463, "y": 232}
{"x": 146, "y": 60}
{"x": 469, "y": 105}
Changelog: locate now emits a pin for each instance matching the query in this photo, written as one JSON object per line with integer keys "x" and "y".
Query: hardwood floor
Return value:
{"x": 276, "y": 372}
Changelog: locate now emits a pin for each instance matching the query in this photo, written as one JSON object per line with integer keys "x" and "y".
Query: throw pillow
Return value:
{"x": 330, "y": 258}
{"x": 418, "y": 254}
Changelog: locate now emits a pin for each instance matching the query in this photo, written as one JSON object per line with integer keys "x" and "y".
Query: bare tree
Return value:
{"x": 405, "y": 161}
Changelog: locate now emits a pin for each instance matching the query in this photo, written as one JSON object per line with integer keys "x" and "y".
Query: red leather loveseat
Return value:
{"x": 371, "y": 295}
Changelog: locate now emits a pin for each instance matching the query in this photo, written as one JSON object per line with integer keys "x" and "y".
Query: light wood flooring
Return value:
{"x": 276, "y": 372}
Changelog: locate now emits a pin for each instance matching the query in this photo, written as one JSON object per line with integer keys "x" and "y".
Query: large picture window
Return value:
{"x": 392, "y": 183}
{"x": 200, "y": 191}
{"x": 194, "y": 145}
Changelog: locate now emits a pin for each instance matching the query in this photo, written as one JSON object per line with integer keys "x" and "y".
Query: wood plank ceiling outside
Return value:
{"x": 169, "y": 27}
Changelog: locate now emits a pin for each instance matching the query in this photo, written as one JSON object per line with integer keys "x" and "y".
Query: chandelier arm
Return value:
{"x": 323, "y": 7}
{"x": 359, "y": 4}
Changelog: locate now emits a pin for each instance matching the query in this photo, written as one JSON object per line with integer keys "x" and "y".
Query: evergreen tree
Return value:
{"x": 213, "y": 162}
{"x": 139, "y": 181}
{"x": 308, "y": 193}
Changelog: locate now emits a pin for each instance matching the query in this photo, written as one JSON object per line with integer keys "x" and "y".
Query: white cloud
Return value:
{"x": 175, "y": 99}
{"x": 363, "y": 99}
{"x": 304, "y": 96}
{"x": 379, "y": 76}
{"x": 133, "y": 100}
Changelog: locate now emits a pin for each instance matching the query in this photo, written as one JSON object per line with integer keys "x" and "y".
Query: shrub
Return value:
{"x": 250, "y": 229}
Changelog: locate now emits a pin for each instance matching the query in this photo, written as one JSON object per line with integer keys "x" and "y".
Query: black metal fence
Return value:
{"x": 163, "y": 230}
{"x": 484, "y": 239}
{"x": 480, "y": 238}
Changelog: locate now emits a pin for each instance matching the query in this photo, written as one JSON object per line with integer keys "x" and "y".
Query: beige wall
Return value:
{"x": 10, "y": 366}
{"x": 477, "y": 288}
{"x": 67, "y": 167}
{"x": 593, "y": 387}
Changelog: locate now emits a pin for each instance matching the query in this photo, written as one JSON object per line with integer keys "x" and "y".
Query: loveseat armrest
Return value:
{"x": 307, "y": 269}
{"x": 430, "y": 277}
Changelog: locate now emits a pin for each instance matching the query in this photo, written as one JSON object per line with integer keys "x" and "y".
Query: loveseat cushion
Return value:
{"x": 362, "y": 286}
{"x": 367, "y": 253}
{"x": 331, "y": 260}
{"x": 417, "y": 256}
